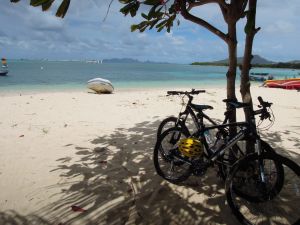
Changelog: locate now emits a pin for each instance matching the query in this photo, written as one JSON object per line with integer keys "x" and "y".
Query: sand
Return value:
{"x": 65, "y": 149}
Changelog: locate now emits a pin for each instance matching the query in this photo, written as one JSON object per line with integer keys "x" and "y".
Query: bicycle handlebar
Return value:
{"x": 193, "y": 92}
{"x": 263, "y": 103}
{"x": 264, "y": 114}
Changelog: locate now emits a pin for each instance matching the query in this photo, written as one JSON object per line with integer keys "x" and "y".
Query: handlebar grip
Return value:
{"x": 193, "y": 92}
{"x": 198, "y": 91}
{"x": 172, "y": 92}
{"x": 261, "y": 101}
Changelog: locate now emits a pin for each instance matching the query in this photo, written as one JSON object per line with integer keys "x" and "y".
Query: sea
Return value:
{"x": 44, "y": 75}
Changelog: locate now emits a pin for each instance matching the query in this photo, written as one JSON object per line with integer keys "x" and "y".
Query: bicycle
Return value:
{"x": 186, "y": 155}
{"x": 200, "y": 149}
{"x": 200, "y": 119}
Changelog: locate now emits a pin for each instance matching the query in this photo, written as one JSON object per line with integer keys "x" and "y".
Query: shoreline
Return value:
{"x": 5, "y": 91}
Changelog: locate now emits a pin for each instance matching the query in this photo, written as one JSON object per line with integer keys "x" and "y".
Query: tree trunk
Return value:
{"x": 246, "y": 66}
{"x": 231, "y": 73}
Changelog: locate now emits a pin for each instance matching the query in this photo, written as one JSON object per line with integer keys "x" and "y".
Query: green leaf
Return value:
{"x": 152, "y": 12}
{"x": 134, "y": 27}
{"x": 63, "y": 8}
{"x": 158, "y": 12}
{"x": 143, "y": 28}
{"x": 151, "y": 2}
{"x": 132, "y": 12}
{"x": 37, "y": 2}
{"x": 47, "y": 5}
{"x": 160, "y": 29}
{"x": 153, "y": 23}
{"x": 145, "y": 16}
{"x": 134, "y": 9}
{"x": 161, "y": 24}
{"x": 130, "y": 8}
{"x": 125, "y": 1}
{"x": 125, "y": 10}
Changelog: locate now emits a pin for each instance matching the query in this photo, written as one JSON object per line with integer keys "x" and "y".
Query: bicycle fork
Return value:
{"x": 260, "y": 162}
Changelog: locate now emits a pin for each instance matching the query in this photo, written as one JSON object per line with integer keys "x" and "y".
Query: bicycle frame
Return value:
{"x": 189, "y": 110}
{"x": 242, "y": 134}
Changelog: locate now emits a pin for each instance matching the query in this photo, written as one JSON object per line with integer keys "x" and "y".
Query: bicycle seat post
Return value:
{"x": 190, "y": 99}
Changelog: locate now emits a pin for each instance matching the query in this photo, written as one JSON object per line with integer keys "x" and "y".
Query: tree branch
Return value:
{"x": 224, "y": 12}
{"x": 243, "y": 8}
{"x": 201, "y": 22}
{"x": 244, "y": 5}
{"x": 108, "y": 10}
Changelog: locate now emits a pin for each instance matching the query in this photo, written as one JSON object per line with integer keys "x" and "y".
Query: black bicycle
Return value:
{"x": 214, "y": 137}
{"x": 178, "y": 155}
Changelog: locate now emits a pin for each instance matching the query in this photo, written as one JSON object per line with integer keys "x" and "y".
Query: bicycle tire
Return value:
{"x": 165, "y": 154}
{"x": 172, "y": 121}
{"x": 250, "y": 211}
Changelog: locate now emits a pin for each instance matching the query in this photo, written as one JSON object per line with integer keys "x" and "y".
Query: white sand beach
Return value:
{"x": 65, "y": 149}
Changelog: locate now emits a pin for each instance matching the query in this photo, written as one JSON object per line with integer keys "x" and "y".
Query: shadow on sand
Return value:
{"x": 116, "y": 183}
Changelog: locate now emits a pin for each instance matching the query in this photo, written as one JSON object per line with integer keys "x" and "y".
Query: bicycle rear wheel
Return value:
{"x": 275, "y": 201}
{"x": 168, "y": 161}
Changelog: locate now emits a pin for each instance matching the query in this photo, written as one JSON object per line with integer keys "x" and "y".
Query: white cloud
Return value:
{"x": 281, "y": 26}
{"x": 82, "y": 33}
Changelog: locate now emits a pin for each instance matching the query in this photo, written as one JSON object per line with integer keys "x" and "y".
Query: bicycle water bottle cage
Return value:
{"x": 235, "y": 104}
{"x": 201, "y": 107}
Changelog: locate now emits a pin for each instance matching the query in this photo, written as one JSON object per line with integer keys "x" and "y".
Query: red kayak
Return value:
{"x": 293, "y": 83}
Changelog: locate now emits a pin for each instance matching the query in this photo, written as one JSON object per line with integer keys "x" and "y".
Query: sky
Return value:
{"x": 27, "y": 32}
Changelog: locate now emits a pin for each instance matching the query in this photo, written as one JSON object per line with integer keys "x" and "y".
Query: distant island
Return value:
{"x": 112, "y": 60}
{"x": 257, "y": 61}
{"x": 129, "y": 60}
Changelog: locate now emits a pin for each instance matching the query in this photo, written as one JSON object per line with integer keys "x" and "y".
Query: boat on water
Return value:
{"x": 4, "y": 67}
{"x": 100, "y": 85}
{"x": 291, "y": 83}
{"x": 260, "y": 76}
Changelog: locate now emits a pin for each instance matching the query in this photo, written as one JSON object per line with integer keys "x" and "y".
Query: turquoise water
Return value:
{"x": 53, "y": 75}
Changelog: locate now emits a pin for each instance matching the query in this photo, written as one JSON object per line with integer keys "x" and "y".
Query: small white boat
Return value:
{"x": 100, "y": 85}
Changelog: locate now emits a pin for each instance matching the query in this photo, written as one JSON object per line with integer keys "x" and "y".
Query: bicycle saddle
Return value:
{"x": 234, "y": 103}
{"x": 201, "y": 107}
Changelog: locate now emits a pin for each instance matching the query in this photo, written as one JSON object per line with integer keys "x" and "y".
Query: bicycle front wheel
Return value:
{"x": 268, "y": 201}
{"x": 168, "y": 161}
